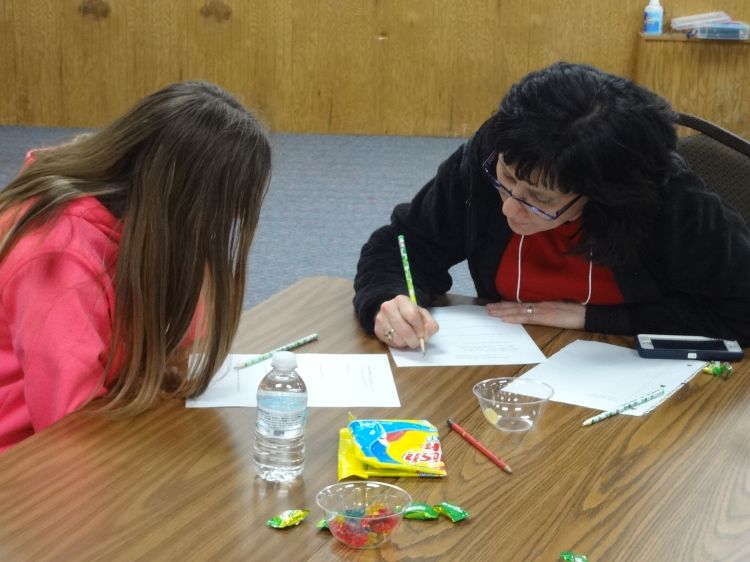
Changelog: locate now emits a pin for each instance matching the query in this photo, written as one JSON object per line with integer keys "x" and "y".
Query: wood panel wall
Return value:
{"x": 406, "y": 67}
{"x": 709, "y": 79}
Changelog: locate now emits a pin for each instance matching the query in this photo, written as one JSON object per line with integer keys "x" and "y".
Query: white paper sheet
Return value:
{"x": 470, "y": 336}
{"x": 332, "y": 380}
{"x": 602, "y": 376}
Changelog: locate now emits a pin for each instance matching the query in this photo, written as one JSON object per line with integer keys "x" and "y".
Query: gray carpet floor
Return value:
{"x": 327, "y": 194}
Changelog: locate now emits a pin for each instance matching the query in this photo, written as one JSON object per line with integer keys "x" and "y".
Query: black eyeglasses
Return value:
{"x": 491, "y": 170}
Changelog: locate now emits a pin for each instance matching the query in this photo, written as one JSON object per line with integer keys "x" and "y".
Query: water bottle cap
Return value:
{"x": 285, "y": 360}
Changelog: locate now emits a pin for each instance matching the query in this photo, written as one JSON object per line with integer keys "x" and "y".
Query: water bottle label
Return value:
{"x": 278, "y": 423}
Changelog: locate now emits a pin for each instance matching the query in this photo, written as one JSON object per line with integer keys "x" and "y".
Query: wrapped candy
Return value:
{"x": 421, "y": 511}
{"x": 288, "y": 518}
{"x": 718, "y": 369}
{"x": 452, "y": 511}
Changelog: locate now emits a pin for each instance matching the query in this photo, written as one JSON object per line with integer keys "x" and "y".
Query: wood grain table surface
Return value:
{"x": 179, "y": 484}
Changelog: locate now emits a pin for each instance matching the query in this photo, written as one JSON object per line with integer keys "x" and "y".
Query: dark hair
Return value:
{"x": 186, "y": 169}
{"x": 581, "y": 130}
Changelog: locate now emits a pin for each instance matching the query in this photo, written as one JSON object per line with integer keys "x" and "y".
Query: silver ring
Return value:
{"x": 389, "y": 335}
{"x": 530, "y": 309}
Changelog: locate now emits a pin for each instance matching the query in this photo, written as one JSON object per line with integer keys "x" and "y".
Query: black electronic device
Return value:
{"x": 661, "y": 346}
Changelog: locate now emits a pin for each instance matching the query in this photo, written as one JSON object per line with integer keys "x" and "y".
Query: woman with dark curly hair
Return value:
{"x": 573, "y": 209}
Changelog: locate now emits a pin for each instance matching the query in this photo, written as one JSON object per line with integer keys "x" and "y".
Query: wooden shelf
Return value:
{"x": 676, "y": 36}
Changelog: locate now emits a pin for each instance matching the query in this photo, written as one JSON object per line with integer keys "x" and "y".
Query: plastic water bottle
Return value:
{"x": 281, "y": 413}
{"x": 653, "y": 18}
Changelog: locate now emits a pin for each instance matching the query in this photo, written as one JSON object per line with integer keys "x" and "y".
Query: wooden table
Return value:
{"x": 179, "y": 484}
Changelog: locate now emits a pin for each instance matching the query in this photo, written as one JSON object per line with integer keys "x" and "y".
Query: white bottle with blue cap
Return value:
{"x": 653, "y": 18}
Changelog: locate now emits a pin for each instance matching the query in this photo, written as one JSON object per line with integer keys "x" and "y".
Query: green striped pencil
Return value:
{"x": 409, "y": 282}
{"x": 626, "y": 406}
{"x": 268, "y": 355}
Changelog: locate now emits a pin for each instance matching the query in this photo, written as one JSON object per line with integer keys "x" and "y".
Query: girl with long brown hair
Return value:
{"x": 122, "y": 251}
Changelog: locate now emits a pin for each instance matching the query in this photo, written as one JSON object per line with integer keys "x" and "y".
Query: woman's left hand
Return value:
{"x": 547, "y": 313}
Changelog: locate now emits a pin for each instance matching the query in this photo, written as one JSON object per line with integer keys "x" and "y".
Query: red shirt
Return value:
{"x": 550, "y": 273}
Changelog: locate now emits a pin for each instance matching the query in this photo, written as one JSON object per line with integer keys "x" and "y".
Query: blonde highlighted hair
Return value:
{"x": 186, "y": 170}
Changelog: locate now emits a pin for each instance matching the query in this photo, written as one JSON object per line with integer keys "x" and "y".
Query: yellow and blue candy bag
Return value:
{"x": 398, "y": 447}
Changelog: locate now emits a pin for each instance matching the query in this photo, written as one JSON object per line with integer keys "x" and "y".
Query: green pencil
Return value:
{"x": 409, "y": 282}
{"x": 268, "y": 355}
{"x": 628, "y": 405}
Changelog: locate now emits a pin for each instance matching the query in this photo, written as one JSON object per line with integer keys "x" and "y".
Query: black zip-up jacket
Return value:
{"x": 693, "y": 278}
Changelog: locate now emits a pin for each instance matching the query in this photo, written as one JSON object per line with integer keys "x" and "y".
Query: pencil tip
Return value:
{"x": 449, "y": 422}
{"x": 507, "y": 469}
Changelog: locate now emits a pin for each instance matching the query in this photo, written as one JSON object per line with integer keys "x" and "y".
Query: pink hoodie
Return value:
{"x": 57, "y": 302}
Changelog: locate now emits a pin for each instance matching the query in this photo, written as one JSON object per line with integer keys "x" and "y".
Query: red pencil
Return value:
{"x": 487, "y": 453}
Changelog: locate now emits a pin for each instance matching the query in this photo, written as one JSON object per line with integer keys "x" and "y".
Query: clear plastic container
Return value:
{"x": 733, "y": 30}
{"x": 686, "y": 23}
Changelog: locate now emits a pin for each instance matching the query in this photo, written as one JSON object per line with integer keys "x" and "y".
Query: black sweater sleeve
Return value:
{"x": 434, "y": 229}
{"x": 694, "y": 279}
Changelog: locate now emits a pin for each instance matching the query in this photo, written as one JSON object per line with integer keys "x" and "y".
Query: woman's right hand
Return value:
{"x": 401, "y": 323}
